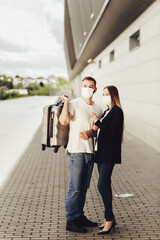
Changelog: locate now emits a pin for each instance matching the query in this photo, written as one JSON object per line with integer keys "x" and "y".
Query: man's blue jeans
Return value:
{"x": 80, "y": 171}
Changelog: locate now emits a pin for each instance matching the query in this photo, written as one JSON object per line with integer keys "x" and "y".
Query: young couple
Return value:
{"x": 86, "y": 121}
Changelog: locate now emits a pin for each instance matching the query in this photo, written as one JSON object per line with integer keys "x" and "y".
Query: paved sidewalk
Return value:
{"x": 32, "y": 201}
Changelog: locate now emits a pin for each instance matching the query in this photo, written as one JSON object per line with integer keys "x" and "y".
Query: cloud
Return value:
{"x": 35, "y": 61}
{"x": 56, "y": 31}
{"x": 10, "y": 46}
{"x": 54, "y": 18}
{"x": 22, "y": 29}
{"x": 31, "y": 41}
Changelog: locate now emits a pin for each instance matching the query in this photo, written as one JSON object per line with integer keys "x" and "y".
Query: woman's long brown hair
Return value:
{"x": 113, "y": 91}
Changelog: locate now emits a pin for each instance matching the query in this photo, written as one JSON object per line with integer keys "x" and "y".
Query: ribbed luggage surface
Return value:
{"x": 53, "y": 133}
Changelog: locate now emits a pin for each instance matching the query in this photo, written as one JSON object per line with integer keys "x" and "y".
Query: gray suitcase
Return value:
{"x": 54, "y": 135}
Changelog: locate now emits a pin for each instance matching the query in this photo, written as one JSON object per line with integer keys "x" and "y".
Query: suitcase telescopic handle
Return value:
{"x": 59, "y": 102}
{"x": 51, "y": 125}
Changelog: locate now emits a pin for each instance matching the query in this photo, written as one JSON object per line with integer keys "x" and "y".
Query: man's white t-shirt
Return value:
{"x": 81, "y": 122}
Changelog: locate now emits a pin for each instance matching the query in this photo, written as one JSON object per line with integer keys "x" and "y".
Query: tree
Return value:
{"x": 41, "y": 84}
{"x": 6, "y": 83}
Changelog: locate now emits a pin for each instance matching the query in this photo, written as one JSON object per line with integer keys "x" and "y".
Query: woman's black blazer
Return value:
{"x": 109, "y": 139}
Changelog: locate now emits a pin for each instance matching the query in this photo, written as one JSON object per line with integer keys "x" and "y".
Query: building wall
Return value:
{"x": 136, "y": 73}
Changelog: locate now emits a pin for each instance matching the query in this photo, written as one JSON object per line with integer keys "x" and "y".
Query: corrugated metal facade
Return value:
{"x": 91, "y": 25}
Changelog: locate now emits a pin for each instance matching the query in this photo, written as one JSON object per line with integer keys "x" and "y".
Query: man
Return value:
{"x": 80, "y": 153}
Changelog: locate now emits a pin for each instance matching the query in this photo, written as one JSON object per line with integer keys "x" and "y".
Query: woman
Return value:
{"x": 108, "y": 151}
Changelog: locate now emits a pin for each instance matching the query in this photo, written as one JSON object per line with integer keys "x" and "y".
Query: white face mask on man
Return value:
{"x": 107, "y": 100}
{"x": 87, "y": 92}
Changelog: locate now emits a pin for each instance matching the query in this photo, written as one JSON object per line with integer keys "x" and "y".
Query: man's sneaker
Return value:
{"x": 83, "y": 221}
{"x": 74, "y": 226}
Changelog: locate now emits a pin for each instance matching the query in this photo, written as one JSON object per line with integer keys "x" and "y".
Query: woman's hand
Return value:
{"x": 94, "y": 117}
{"x": 94, "y": 127}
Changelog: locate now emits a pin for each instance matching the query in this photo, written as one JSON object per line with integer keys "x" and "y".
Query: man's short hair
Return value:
{"x": 90, "y": 79}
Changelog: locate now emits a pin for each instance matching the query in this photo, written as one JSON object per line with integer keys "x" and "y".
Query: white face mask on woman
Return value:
{"x": 107, "y": 100}
{"x": 87, "y": 92}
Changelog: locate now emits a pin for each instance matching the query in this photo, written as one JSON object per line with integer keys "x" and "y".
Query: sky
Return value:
{"x": 31, "y": 38}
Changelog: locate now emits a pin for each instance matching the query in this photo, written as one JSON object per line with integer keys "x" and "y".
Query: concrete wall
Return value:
{"x": 136, "y": 73}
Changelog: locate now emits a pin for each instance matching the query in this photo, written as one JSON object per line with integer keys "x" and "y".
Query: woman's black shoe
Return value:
{"x": 101, "y": 227}
{"x": 108, "y": 231}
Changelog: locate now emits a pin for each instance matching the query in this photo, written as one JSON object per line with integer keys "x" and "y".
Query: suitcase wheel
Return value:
{"x": 43, "y": 147}
{"x": 56, "y": 149}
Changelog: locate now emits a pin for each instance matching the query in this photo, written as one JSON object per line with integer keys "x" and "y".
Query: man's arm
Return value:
{"x": 65, "y": 115}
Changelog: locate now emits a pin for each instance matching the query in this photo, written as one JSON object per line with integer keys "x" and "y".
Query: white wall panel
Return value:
{"x": 154, "y": 29}
{"x": 147, "y": 113}
{"x": 146, "y": 93}
{"x": 147, "y": 133}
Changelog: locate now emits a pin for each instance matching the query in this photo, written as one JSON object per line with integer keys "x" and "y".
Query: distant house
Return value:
{"x": 49, "y": 80}
{"x": 52, "y": 79}
{"x": 20, "y": 91}
{"x": 43, "y": 80}
{"x": 26, "y": 81}
{"x": 17, "y": 80}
